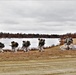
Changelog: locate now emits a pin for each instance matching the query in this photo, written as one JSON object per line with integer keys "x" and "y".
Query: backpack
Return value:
{"x": 28, "y": 43}
{"x": 25, "y": 44}
{"x": 16, "y": 45}
{"x": 42, "y": 42}
{"x": 2, "y": 45}
{"x": 68, "y": 41}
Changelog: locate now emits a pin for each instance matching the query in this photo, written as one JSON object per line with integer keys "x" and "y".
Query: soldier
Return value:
{"x": 68, "y": 41}
{"x": 41, "y": 44}
{"x": 1, "y": 46}
{"x": 14, "y": 46}
{"x": 26, "y": 45}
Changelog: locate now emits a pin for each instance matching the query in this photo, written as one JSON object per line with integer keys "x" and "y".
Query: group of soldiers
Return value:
{"x": 67, "y": 44}
{"x": 25, "y": 45}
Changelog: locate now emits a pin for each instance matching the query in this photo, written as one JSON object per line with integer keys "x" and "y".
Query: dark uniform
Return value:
{"x": 1, "y": 46}
{"x": 41, "y": 44}
{"x": 14, "y": 46}
{"x": 26, "y": 45}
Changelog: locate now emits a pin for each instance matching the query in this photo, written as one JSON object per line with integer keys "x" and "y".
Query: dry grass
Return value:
{"x": 52, "y": 61}
{"x": 50, "y": 53}
{"x": 65, "y": 66}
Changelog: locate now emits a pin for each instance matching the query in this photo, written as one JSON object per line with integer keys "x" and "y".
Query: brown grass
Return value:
{"x": 50, "y": 53}
{"x": 54, "y": 52}
{"x": 52, "y": 61}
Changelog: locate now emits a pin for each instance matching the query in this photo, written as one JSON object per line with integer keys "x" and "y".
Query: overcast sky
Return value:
{"x": 38, "y": 16}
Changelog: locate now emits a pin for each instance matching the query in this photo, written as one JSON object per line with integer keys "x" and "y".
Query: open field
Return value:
{"x": 65, "y": 66}
{"x": 52, "y": 61}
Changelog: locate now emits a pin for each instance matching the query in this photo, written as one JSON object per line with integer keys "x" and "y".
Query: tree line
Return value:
{"x": 24, "y": 35}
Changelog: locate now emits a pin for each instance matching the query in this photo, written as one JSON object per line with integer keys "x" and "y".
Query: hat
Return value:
{"x": 12, "y": 42}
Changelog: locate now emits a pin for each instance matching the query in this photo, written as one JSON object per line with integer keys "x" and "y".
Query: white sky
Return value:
{"x": 38, "y": 16}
